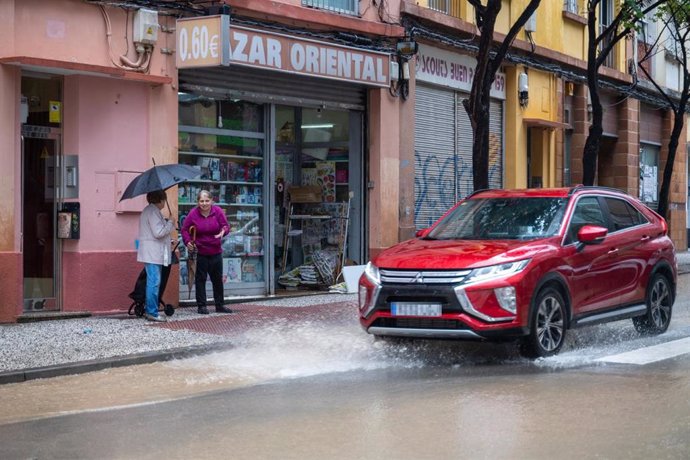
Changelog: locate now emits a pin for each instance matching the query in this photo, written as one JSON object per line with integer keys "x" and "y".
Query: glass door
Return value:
{"x": 40, "y": 197}
{"x": 314, "y": 187}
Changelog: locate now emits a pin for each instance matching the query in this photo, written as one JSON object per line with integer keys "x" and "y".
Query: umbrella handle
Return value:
{"x": 192, "y": 233}
{"x": 171, "y": 215}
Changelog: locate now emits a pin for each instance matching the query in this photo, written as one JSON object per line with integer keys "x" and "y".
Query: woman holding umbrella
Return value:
{"x": 211, "y": 226}
{"x": 154, "y": 248}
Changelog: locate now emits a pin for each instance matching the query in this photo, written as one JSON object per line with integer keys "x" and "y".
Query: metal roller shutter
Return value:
{"x": 443, "y": 151}
{"x": 464, "y": 150}
{"x": 276, "y": 87}
{"x": 435, "y": 188}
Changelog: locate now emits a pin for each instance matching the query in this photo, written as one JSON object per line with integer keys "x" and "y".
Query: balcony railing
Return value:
{"x": 449, "y": 7}
{"x": 338, "y": 6}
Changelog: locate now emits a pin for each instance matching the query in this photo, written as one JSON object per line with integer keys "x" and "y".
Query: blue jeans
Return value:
{"x": 153, "y": 284}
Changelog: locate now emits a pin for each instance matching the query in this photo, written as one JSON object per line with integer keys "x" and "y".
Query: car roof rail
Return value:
{"x": 579, "y": 187}
{"x": 479, "y": 191}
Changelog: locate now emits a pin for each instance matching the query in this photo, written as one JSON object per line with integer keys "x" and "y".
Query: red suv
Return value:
{"x": 528, "y": 265}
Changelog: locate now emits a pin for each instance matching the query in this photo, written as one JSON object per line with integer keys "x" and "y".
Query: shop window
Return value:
{"x": 225, "y": 139}
{"x": 649, "y": 173}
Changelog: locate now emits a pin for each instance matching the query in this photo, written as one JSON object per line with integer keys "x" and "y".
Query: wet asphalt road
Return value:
{"x": 316, "y": 394}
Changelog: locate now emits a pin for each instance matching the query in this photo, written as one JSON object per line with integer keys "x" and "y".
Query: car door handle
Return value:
{"x": 645, "y": 238}
{"x": 613, "y": 252}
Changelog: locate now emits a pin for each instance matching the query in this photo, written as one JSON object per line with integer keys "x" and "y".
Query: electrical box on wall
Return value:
{"x": 531, "y": 24}
{"x": 145, "y": 27}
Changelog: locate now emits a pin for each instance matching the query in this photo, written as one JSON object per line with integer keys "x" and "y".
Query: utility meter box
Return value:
{"x": 145, "y": 27}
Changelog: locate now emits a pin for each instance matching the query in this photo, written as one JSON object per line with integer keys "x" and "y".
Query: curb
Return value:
{"x": 82, "y": 367}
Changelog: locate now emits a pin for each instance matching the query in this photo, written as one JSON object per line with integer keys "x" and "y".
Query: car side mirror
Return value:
{"x": 422, "y": 233}
{"x": 591, "y": 234}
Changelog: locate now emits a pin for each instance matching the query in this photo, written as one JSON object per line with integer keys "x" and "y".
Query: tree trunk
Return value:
{"x": 480, "y": 149}
{"x": 678, "y": 119}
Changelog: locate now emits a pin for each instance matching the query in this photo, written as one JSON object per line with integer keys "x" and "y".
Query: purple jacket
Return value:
{"x": 206, "y": 229}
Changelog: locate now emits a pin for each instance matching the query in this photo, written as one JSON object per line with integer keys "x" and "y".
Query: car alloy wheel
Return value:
{"x": 659, "y": 305}
{"x": 547, "y": 325}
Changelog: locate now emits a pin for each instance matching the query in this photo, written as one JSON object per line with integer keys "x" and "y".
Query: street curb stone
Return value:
{"x": 117, "y": 361}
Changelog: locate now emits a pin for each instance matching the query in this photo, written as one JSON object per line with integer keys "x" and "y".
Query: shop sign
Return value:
{"x": 442, "y": 67}
{"x": 203, "y": 41}
{"x": 267, "y": 50}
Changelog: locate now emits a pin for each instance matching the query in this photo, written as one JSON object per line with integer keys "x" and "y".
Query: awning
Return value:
{"x": 544, "y": 124}
{"x": 75, "y": 68}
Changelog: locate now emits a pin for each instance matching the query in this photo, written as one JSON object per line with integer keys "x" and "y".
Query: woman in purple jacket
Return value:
{"x": 211, "y": 226}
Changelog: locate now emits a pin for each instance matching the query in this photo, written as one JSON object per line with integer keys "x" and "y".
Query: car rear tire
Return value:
{"x": 659, "y": 302}
{"x": 547, "y": 325}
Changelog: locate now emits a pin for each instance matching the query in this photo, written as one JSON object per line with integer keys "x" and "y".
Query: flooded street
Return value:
{"x": 317, "y": 390}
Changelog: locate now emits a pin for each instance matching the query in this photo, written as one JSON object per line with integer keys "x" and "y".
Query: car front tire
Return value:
{"x": 659, "y": 301}
{"x": 547, "y": 325}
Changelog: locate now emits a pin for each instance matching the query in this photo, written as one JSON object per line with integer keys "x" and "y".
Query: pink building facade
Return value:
{"x": 84, "y": 110}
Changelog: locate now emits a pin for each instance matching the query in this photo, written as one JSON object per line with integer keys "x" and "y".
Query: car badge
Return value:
{"x": 418, "y": 278}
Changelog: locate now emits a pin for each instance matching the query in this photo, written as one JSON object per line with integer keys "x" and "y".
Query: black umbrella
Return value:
{"x": 160, "y": 177}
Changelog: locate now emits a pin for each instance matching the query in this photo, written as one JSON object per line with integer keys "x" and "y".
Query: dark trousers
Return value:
{"x": 211, "y": 266}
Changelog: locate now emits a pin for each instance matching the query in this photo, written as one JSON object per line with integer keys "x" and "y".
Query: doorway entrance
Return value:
{"x": 40, "y": 247}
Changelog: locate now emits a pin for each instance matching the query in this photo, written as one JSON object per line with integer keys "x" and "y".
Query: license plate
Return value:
{"x": 415, "y": 309}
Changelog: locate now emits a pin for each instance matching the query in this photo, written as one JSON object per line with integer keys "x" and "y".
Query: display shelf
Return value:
{"x": 211, "y": 181}
{"x": 250, "y": 205}
{"x": 222, "y": 155}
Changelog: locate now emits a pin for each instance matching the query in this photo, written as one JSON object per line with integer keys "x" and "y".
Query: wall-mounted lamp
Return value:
{"x": 405, "y": 50}
{"x": 523, "y": 89}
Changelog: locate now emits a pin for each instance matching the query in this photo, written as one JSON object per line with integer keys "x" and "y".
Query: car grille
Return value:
{"x": 420, "y": 323}
{"x": 422, "y": 277}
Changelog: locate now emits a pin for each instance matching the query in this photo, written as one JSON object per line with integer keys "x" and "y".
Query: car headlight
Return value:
{"x": 371, "y": 271}
{"x": 496, "y": 271}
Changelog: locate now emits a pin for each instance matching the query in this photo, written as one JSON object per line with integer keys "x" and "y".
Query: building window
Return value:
{"x": 338, "y": 6}
{"x": 567, "y": 158}
{"x": 605, "y": 19}
{"x": 570, "y": 6}
{"x": 649, "y": 173}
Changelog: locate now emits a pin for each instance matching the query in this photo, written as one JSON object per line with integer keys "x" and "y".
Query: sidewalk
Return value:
{"x": 52, "y": 348}
{"x": 70, "y": 346}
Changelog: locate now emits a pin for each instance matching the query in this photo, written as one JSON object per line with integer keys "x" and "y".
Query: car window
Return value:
{"x": 502, "y": 219}
{"x": 623, "y": 214}
{"x": 587, "y": 212}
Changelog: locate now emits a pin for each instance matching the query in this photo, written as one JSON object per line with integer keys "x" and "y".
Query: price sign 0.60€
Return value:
{"x": 203, "y": 42}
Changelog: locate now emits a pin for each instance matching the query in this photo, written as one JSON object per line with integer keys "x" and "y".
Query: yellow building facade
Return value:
{"x": 546, "y": 110}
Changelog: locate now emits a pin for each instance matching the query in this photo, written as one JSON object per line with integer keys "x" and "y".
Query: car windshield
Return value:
{"x": 502, "y": 219}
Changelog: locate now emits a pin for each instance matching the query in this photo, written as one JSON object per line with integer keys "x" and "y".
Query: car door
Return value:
{"x": 631, "y": 232}
{"x": 591, "y": 268}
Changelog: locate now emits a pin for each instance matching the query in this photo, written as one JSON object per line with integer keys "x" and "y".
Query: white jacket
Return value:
{"x": 154, "y": 237}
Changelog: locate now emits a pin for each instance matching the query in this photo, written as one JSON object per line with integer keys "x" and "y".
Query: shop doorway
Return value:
{"x": 317, "y": 195}
{"x": 40, "y": 247}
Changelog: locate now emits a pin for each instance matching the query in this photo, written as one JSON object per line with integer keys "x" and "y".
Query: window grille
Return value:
{"x": 338, "y": 6}
{"x": 439, "y": 5}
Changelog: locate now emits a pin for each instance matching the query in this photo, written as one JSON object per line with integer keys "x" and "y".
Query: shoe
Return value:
{"x": 159, "y": 319}
{"x": 223, "y": 309}
{"x": 202, "y": 310}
